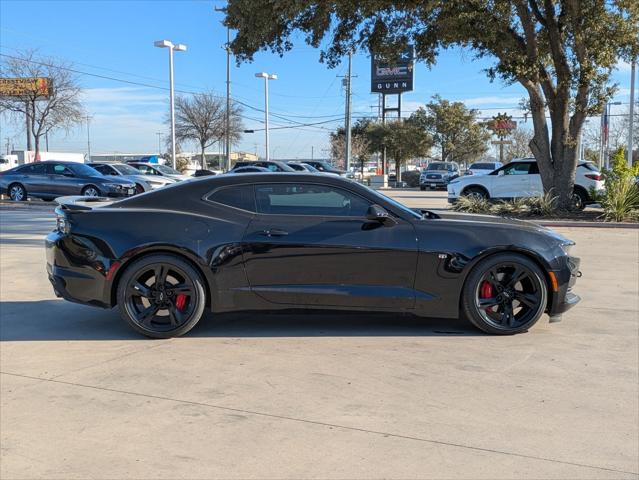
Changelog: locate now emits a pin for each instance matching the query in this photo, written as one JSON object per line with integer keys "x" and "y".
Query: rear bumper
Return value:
{"x": 75, "y": 271}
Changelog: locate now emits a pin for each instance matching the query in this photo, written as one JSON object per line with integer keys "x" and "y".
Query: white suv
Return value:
{"x": 520, "y": 178}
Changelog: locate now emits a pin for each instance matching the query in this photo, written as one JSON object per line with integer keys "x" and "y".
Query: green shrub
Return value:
{"x": 543, "y": 205}
{"x": 472, "y": 204}
{"x": 515, "y": 206}
{"x": 620, "y": 199}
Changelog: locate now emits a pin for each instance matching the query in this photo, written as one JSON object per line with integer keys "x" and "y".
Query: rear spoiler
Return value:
{"x": 80, "y": 203}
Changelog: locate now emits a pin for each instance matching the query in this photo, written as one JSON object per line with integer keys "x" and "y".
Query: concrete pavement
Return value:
{"x": 317, "y": 395}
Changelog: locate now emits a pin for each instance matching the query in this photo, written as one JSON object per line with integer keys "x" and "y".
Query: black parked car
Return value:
{"x": 324, "y": 167}
{"x": 51, "y": 179}
{"x": 281, "y": 241}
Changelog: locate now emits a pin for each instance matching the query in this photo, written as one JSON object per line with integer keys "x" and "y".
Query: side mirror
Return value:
{"x": 379, "y": 214}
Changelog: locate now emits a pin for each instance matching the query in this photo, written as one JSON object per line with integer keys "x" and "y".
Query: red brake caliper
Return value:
{"x": 486, "y": 291}
{"x": 180, "y": 301}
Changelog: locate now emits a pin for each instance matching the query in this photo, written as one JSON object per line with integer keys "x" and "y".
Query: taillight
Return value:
{"x": 62, "y": 224}
{"x": 594, "y": 176}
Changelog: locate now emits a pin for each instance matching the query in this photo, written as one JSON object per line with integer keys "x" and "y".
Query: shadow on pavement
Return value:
{"x": 48, "y": 320}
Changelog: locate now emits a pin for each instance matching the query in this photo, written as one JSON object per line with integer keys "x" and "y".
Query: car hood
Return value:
{"x": 119, "y": 179}
{"x": 177, "y": 177}
{"x": 478, "y": 219}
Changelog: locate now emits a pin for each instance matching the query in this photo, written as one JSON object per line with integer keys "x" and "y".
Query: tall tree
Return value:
{"x": 62, "y": 110}
{"x": 201, "y": 118}
{"x": 561, "y": 51}
{"x": 403, "y": 140}
{"x": 454, "y": 128}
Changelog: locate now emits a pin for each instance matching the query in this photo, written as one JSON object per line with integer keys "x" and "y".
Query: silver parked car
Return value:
{"x": 143, "y": 183}
{"x": 157, "y": 170}
{"x": 51, "y": 179}
{"x": 438, "y": 174}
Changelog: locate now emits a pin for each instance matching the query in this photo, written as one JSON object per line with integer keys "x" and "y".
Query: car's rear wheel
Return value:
{"x": 161, "y": 296}
{"x": 505, "y": 294}
{"x": 17, "y": 192}
{"x": 579, "y": 199}
{"x": 475, "y": 192}
{"x": 91, "y": 191}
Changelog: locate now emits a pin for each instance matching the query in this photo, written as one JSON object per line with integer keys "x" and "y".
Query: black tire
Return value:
{"x": 148, "y": 298}
{"x": 493, "y": 303}
{"x": 579, "y": 199}
{"x": 422, "y": 188}
{"x": 17, "y": 192}
{"x": 475, "y": 192}
{"x": 91, "y": 191}
{"x": 138, "y": 189}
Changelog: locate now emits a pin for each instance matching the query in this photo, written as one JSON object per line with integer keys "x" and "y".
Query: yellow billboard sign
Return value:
{"x": 25, "y": 87}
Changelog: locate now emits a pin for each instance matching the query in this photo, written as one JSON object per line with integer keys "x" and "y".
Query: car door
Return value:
{"x": 35, "y": 179}
{"x": 64, "y": 181}
{"x": 311, "y": 245}
{"x": 512, "y": 181}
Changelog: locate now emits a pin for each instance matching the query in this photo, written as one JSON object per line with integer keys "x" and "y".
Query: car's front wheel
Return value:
{"x": 17, "y": 193}
{"x": 91, "y": 191}
{"x": 161, "y": 296}
{"x": 504, "y": 294}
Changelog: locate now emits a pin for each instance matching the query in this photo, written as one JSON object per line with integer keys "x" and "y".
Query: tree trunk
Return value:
{"x": 203, "y": 158}
{"x": 556, "y": 154}
{"x": 36, "y": 144}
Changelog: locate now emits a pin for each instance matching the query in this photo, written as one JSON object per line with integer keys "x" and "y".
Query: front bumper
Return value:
{"x": 433, "y": 183}
{"x": 564, "y": 298}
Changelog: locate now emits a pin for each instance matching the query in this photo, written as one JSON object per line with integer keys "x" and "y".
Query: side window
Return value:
{"x": 308, "y": 199}
{"x": 61, "y": 170}
{"x": 237, "y": 196}
{"x": 37, "y": 169}
{"x": 534, "y": 168}
{"x": 517, "y": 168}
{"x": 103, "y": 169}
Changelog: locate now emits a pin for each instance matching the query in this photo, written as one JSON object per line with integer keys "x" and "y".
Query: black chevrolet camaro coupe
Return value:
{"x": 292, "y": 240}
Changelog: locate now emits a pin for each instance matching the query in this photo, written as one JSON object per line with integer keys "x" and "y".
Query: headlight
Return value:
{"x": 566, "y": 245}
{"x": 113, "y": 186}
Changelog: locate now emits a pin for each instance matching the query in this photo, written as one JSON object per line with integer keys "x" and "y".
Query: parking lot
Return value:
{"x": 318, "y": 395}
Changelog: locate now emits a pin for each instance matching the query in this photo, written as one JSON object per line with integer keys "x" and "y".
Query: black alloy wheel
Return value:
{"x": 161, "y": 296}
{"x": 505, "y": 294}
{"x": 91, "y": 191}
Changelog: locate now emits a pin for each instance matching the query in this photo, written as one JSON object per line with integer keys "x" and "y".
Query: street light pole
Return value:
{"x": 180, "y": 48}
{"x": 266, "y": 77}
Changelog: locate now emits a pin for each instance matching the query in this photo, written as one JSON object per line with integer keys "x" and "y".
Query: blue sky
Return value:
{"x": 115, "y": 39}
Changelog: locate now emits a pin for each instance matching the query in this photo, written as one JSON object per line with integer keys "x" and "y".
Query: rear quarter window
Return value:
{"x": 235, "y": 196}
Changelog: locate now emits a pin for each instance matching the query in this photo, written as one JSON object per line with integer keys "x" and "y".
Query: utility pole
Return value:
{"x": 227, "y": 141}
{"x": 631, "y": 112}
{"x": 28, "y": 124}
{"x": 312, "y": 152}
{"x": 159, "y": 134}
{"x": 88, "y": 139}
{"x": 347, "y": 120}
{"x": 46, "y": 140}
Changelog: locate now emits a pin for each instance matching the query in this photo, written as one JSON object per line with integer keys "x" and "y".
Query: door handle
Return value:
{"x": 274, "y": 232}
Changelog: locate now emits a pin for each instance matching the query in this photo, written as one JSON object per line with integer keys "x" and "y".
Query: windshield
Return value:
{"x": 482, "y": 166}
{"x": 82, "y": 169}
{"x": 126, "y": 169}
{"x": 166, "y": 170}
{"x": 439, "y": 166}
{"x": 396, "y": 204}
